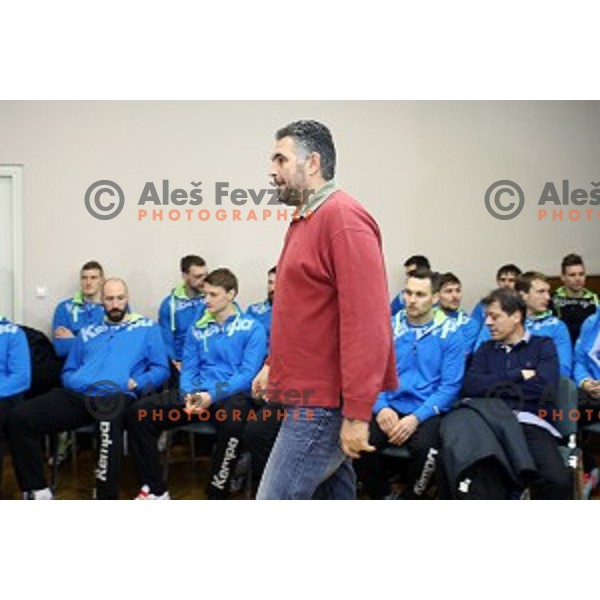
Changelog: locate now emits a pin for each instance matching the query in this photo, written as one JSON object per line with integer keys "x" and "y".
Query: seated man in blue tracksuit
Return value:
{"x": 262, "y": 311}
{"x": 182, "y": 307}
{"x": 83, "y": 309}
{"x": 534, "y": 289}
{"x": 430, "y": 361}
{"x": 412, "y": 263}
{"x": 260, "y": 435}
{"x": 109, "y": 366}
{"x": 586, "y": 372}
{"x": 522, "y": 370}
{"x": 223, "y": 352}
{"x": 506, "y": 277}
{"x": 15, "y": 368}
{"x": 449, "y": 290}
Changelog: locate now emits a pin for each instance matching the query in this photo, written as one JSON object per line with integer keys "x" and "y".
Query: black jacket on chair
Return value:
{"x": 482, "y": 428}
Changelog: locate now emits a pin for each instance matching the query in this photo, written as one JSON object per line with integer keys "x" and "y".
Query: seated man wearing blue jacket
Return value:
{"x": 506, "y": 278}
{"x": 412, "y": 263}
{"x": 70, "y": 316}
{"x": 262, "y": 311}
{"x": 109, "y": 366}
{"x": 450, "y": 297}
{"x": 522, "y": 370}
{"x": 83, "y": 309}
{"x": 430, "y": 362}
{"x": 224, "y": 350}
{"x": 534, "y": 289}
{"x": 15, "y": 368}
{"x": 587, "y": 368}
{"x": 586, "y": 372}
{"x": 182, "y": 306}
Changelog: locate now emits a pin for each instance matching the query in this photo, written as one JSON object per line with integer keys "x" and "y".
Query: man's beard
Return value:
{"x": 270, "y": 296}
{"x": 116, "y": 315}
{"x": 290, "y": 197}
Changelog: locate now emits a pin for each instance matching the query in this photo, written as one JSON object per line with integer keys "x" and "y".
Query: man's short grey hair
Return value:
{"x": 312, "y": 136}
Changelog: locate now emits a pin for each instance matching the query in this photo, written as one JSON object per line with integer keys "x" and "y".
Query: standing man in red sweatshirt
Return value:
{"x": 331, "y": 349}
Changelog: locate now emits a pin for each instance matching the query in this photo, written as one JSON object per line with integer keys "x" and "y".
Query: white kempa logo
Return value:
{"x": 220, "y": 478}
{"x": 428, "y": 469}
{"x": 105, "y": 443}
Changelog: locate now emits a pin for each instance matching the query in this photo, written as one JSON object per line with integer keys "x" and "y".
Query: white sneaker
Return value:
{"x": 145, "y": 494}
{"x": 45, "y": 494}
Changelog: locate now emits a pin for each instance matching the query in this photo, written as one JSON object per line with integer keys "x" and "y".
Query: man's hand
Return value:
{"x": 527, "y": 374}
{"x": 131, "y": 384}
{"x": 261, "y": 382}
{"x": 592, "y": 387}
{"x": 195, "y": 403}
{"x": 387, "y": 419}
{"x": 354, "y": 437}
{"x": 176, "y": 364}
{"x": 402, "y": 431}
{"x": 63, "y": 333}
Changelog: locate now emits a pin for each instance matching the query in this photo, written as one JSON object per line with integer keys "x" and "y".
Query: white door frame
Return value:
{"x": 15, "y": 174}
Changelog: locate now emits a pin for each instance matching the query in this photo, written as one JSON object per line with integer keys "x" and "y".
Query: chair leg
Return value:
{"x": 54, "y": 449}
{"x": 167, "y": 459}
{"x": 1, "y": 470}
{"x": 73, "y": 445}
{"x": 249, "y": 481}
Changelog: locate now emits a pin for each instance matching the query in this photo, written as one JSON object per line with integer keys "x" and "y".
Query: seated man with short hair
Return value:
{"x": 522, "y": 371}
{"x": 223, "y": 352}
{"x": 430, "y": 362}
{"x": 182, "y": 307}
{"x": 449, "y": 290}
{"x": 262, "y": 311}
{"x": 534, "y": 289}
{"x": 412, "y": 263}
{"x": 15, "y": 368}
{"x": 572, "y": 302}
{"x": 506, "y": 278}
{"x": 109, "y": 366}
{"x": 83, "y": 309}
{"x": 586, "y": 373}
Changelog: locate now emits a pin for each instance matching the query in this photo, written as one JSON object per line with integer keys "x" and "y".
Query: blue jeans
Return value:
{"x": 307, "y": 460}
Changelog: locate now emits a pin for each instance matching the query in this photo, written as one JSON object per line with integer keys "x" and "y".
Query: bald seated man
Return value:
{"x": 110, "y": 365}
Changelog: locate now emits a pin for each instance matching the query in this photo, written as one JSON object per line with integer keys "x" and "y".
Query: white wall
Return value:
{"x": 421, "y": 168}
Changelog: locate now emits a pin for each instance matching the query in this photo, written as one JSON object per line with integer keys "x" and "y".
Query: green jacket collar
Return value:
{"x": 179, "y": 291}
{"x": 561, "y": 292}
{"x": 540, "y": 316}
{"x": 318, "y": 199}
{"x": 208, "y": 318}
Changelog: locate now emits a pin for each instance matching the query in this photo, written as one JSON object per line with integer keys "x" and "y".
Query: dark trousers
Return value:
{"x": 589, "y": 408}
{"x": 63, "y": 410}
{"x": 260, "y": 435}
{"x": 553, "y": 480}
{"x": 487, "y": 480}
{"x": 589, "y": 412}
{"x": 6, "y": 406}
{"x": 424, "y": 445}
{"x": 151, "y": 416}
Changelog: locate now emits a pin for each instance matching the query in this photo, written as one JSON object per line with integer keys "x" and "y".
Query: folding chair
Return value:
{"x": 566, "y": 424}
{"x": 208, "y": 429}
{"x": 91, "y": 429}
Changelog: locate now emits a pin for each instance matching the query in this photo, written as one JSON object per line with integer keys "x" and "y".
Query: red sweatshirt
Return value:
{"x": 331, "y": 335}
